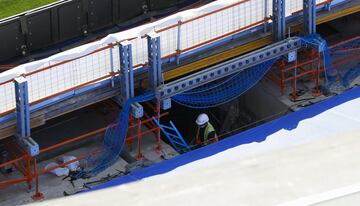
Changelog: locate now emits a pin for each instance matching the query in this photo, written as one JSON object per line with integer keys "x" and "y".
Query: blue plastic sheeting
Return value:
{"x": 257, "y": 134}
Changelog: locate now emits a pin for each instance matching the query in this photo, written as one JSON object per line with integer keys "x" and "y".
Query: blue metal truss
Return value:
{"x": 227, "y": 68}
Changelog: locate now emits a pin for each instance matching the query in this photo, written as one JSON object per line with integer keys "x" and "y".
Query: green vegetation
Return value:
{"x": 13, "y": 7}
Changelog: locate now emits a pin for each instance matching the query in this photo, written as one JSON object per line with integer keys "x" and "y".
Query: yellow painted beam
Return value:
{"x": 339, "y": 14}
{"x": 259, "y": 43}
{"x": 208, "y": 61}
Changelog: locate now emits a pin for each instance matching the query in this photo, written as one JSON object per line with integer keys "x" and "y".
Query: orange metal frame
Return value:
{"x": 22, "y": 161}
{"x": 310, "y": 66}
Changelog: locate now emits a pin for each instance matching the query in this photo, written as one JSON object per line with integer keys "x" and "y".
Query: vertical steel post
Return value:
{"x": 127, "y": 78}
{"x": 158, "y": 131}
{"x": 126, "y": 70}
{"x": 154, "y": 56}
{"x": 112, "y": 66}
{"x": 22, "y": 107}
{"x": 155, "y": 63}
{"x": 279, "y": 23}
{"x": 139, "y": 155}
{"x": 23, "y": 117}
{"x": 38, "y": 195}
{"x": 266, "y": 12}
{"x": 309, "y": 17}
{"x": 178, "y": 49}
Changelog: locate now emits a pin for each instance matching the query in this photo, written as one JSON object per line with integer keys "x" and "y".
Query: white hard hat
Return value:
{"x": 202, "y": 119}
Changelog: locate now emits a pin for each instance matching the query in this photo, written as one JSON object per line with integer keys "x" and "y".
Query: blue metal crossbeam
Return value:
{"x": 279, "y": 20}
{"x": 227, "y": 68}
{"x": 309, "y": 17}
{"x": 23, "y": 117}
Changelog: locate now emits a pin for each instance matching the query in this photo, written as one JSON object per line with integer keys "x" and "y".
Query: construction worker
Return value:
{"x": 206, "y": 133}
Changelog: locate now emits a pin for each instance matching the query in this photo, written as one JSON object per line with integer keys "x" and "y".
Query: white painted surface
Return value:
{"x": 317, "y": 163}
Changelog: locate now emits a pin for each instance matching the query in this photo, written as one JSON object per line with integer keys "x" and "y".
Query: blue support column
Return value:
{"x": 279, "y": 24}
{"x": 154, "y": 56}
{"x": 127, "y": 78}
{"x": 309, "y": 17}
{"x": 155, "y": 67}
{"x": 23, "y": 117}
{"x": 126, "y": 70}
{"x": 112, "y": 66}
{"x": 22, "y": 107}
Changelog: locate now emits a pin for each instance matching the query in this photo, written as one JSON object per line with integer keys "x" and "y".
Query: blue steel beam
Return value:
{"x": 127, "y": 78}
{"x": 23, "y": 117}
{"x": 309, "y": 17}
{"x": 22, "y": 107}
{"x": 155, "y": 65}
{"x": 279, "y": 20}
{"x": 227, "y": 68}
{"x": 126, "y": 70}
{"x": 154, "y": 56}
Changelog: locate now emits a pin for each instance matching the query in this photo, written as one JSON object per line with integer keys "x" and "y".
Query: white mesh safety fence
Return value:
{"x": 193, "y": 31}
{"x": 140, "y": 51}
{"x": 7, "y": 97}
{"x": 57, "y": 78}
{"x": 69, "y": 75}
{"x": 222, "y": 23}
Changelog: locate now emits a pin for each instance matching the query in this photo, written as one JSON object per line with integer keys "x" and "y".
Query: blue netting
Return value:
{"x": 336, "y": 80}
{"x": 317, "y": 41}
{"x": 224, "y": 90}
{"x": 339, "y": 79}
{"x": 114, "y": 139}
{"x": 351, "y": 75}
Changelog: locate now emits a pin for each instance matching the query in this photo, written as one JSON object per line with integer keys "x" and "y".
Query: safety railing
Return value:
{"x": 54, "y": 78}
